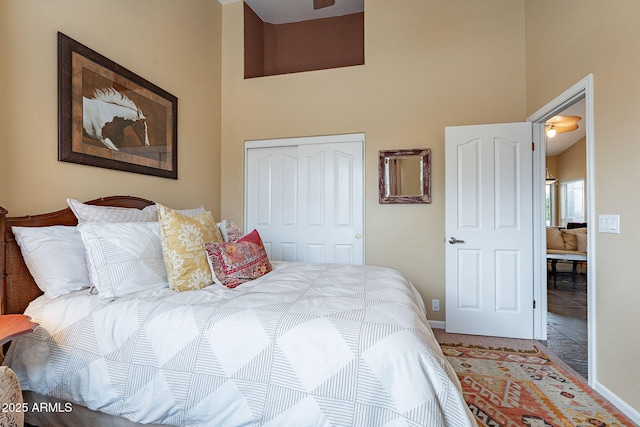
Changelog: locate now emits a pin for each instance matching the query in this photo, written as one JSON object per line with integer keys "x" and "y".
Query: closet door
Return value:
{"x": 307, "y": 201}
{"x": 272, "y": 199}
{"x": 330, "y": 203}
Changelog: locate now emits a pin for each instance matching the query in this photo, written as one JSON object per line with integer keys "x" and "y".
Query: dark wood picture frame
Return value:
{"x": 420, "y": 189}
{"x": 110, "y": 117}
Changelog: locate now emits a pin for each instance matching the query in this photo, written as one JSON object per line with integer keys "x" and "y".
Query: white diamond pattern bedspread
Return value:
{"x": 305, "y": 345}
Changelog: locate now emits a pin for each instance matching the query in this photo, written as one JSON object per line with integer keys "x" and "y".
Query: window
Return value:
{"x": 550, "y": 205}
{"x": 572, "y": 198}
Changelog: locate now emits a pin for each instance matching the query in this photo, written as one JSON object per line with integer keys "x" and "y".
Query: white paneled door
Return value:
{"x": 489, "y": 230}
{"x": 306, "y": 198}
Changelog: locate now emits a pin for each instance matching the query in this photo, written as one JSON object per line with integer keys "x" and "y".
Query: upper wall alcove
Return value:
{"x": 290, "y": 36}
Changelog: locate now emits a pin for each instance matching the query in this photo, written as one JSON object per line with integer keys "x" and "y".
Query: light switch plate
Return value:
{"x": 609, "y": 224}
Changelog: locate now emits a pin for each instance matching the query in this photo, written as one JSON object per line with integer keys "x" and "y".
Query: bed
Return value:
{"x": 302, "y": 345}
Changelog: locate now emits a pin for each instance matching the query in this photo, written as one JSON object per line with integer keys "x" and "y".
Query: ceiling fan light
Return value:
{"x": 560, "y": 124}
{"x": 551, "y": 132}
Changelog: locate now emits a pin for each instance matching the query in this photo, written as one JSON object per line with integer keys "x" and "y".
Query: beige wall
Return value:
{"x": 578, "y": 38}
{"x": 572, "y": 163}
{"x": 175, "y": 47}
{"x": 428, "y": 64}
{"x": 569, "y": 165}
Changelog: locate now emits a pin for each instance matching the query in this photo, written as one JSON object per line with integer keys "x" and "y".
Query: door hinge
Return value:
{"x": 534, "y": 304}
{"x": 533, "y": 146}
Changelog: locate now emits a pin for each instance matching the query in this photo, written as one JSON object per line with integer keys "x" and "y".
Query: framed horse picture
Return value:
{"x": 112, "y": 118}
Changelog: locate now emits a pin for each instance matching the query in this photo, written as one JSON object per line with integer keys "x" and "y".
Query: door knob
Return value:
{"x": 453, "y": 241}
{"x": 358, "y": 236}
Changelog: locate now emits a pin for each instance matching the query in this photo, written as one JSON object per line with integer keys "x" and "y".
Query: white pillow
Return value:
{"x": 124, "y": 258}
{"x": 229, "y": 230}
{"x": 55, "y": 257}
{"x": 93, "y": 213}
{"x": 191, "y": 213}
{"x": 222, "y": 226}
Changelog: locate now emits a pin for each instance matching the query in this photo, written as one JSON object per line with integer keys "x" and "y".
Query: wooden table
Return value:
{"x": 14, "y": 325}
{"x": 575, "y": 258}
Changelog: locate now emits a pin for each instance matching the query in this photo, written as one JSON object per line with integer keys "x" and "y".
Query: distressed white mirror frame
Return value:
{"x": 392, "y": 191}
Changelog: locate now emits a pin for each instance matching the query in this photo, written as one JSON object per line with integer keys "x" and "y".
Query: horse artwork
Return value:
{"x": 110, "y": 117}
{"x": 108, "y": 113}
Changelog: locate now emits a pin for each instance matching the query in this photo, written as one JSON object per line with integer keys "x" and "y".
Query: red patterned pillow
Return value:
{"x": 233, "y": 263}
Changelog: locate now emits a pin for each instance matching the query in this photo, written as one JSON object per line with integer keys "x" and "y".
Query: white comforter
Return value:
{"x": 305, "y": 345}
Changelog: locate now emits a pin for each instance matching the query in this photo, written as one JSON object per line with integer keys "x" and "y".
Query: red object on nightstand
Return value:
{"x": 14, "y": 325}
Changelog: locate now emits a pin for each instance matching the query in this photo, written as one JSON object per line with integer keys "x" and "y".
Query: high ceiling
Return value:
{"x": 286, "y": 11}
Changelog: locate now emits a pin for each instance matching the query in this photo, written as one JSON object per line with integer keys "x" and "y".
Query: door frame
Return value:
{"x": 582, "y": 89}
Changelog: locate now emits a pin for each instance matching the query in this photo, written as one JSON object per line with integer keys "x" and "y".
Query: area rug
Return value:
{"x": 506, "y": 387}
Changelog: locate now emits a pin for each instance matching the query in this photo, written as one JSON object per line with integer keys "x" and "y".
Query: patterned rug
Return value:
{"x": 505, "y": 387}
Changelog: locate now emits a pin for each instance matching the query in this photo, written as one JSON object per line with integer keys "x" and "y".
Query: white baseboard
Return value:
{"x": 617, "y": 402}
{"x": 436, "y": 324}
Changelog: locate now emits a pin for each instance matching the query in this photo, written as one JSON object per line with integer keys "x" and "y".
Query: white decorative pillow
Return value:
{"x": 222, "y": 226}
{"x": 93, "y": 213}
{"x": 55, "y": 257}
{"x": 124, "y": 258}
{"x": 233, "y": 232}
{"x": 230, "y": 231}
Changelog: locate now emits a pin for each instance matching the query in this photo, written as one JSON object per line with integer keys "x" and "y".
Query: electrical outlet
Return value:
{"x": 435, "y": 304}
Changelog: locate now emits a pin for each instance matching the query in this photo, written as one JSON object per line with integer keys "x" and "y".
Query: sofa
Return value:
{"x": 568, "y": 244}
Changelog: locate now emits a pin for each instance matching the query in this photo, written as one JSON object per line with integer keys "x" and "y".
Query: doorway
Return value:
{"x": 581, "y": 92}
{"x": 565, "y": 218}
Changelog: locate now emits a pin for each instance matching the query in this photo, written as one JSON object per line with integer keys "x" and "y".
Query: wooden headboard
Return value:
{"x": 18, "y": 288}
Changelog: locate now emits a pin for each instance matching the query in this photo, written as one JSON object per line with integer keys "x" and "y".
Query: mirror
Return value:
{"x": 404, "y": 176}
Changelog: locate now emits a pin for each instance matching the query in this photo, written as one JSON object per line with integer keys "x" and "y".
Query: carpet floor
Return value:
{"x": 508, "y": 383}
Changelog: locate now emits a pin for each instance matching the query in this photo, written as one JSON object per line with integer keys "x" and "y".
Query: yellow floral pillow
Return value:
{"x": 183, "y": 240}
